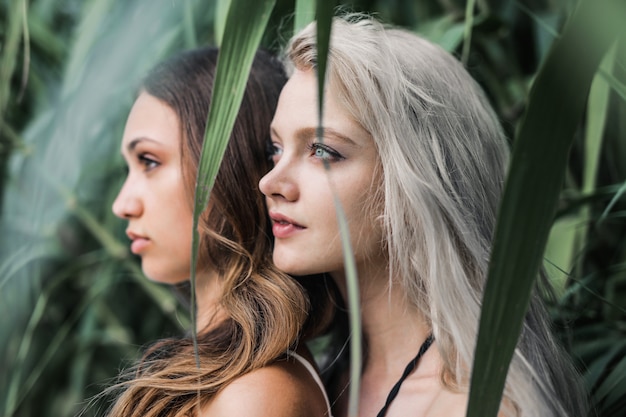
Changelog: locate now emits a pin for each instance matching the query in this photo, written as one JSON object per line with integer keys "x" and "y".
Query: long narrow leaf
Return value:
{"x": 614, "y": 380}
{"x": 9, "y": 50}
{"x": 597, "y": 112}
{"x": 467, "y": 33}
{"x": 324, "y": 17}
{"x": 26, "y": 60}
{"x": 304, "y": 14}
{"x": 221, "y": 12}
{"x": 616, "y": 84}
{"x": 354, "y": 308}
{"x": 18, "y": 388}
{"x": 618, "y": 194}
{"x": 82, "y": 49}
{"x": 536, "y": 174}
{"x": 241, "y": 38}
{"x": 191, "y": 37}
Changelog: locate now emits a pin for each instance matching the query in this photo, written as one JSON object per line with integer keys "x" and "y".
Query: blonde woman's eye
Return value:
{"x": 325, "y": 152}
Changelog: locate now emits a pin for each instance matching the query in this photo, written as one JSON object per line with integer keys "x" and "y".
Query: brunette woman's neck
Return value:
{"x": 208, "y": 295}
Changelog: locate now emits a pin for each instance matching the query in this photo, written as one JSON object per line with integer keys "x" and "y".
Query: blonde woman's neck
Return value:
{"x": 393, "y": 329}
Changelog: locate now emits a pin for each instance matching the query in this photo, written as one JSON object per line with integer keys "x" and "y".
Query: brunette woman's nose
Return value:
{"x": 278, "y": 184}
{"x": 126, "y": 205}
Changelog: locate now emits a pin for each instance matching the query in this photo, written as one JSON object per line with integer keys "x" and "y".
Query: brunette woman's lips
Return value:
{"x": 138, "y": 244}
{"x": 283, "y": 227}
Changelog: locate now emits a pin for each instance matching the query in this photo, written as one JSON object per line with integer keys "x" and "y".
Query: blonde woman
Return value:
{"x": 418, "y": 160}
{"x": 251, "y": 317}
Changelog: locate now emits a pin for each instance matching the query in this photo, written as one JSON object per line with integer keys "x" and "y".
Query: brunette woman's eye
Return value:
{"x": 273, "y": 151}
{"x": 325, "y": 152}
{"x": 148, "y": 162}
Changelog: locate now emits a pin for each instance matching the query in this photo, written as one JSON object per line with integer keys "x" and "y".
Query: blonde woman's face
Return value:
{"x": 153, "y": 198}
{"x": 298, "y": 189}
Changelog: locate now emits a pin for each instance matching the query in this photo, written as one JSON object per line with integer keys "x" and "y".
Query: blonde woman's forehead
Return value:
{"x": 298, "y": 112}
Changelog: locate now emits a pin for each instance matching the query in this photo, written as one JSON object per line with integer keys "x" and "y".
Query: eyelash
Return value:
{"x": 272, "y": 150}
{"x": 333, "y": 155}
{"x": 148, "y": 163}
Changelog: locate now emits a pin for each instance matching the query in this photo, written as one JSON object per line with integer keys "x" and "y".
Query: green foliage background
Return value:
{"x": 74, "y": 307}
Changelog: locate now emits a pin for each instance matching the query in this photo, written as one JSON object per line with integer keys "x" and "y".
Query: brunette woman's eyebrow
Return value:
{"x": 133, "y": 143}
{"x": 274, "y": 133}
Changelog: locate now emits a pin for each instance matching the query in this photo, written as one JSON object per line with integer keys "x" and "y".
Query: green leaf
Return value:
{"x": 605, "y": 356}
{"x": 618, "y": 194}
{"x": 536, "y": 173}
{"x": 304, "y": 14}
{"x": 444, "y": 31}
{"x": 569, "y": 234}
{"x": 467, "y": 36}
{"x": 597, "y": 110}
{"x": 221, "y": 11}
{"x": 10, "y": 45}
{"x": 242, "y": 36}
{"x": 18, "y": 387}
{"x": 191, "y": 37}
{"x": 596, "y": 117}
{"x": 560, "y": 251}
{"x": 82, "y": 50}
{"x": 610, "y": 389}
{"x": 616, "y": 84}
{"x": 324, "y": 17}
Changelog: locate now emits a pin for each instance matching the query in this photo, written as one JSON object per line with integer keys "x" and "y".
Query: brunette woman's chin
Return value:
{"x": 159, "y": 273}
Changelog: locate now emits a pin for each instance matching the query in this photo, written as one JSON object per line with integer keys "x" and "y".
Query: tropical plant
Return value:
{"x": 75, "y": 305}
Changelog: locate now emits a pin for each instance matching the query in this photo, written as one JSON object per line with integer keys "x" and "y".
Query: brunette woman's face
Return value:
{"x": 299, "y": 189}
{"x": 153, "y": 197}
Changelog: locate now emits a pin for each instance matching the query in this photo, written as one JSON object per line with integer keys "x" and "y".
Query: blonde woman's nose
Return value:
{"x": 278, "y": 184}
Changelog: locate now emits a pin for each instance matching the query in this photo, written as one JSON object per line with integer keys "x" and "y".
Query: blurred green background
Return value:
{"x": 74, "y": 306}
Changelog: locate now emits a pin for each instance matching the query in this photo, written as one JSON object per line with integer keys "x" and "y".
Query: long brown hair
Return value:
{"x": 266, "y": 309}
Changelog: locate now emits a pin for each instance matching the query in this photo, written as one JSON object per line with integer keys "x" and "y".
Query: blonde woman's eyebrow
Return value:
{"x": 308, "y": 133}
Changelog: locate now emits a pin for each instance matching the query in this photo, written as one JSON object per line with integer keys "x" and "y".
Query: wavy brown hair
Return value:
{"x": 266, "y": 310}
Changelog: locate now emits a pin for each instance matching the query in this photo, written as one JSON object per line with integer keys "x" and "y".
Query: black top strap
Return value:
{"x": 407, "y": 371}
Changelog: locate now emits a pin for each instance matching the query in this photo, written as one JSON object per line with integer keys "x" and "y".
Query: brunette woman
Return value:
{"x": 251, "y": 316}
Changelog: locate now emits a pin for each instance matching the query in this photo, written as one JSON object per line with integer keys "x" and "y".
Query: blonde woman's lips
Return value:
{"x": 284, "y": 227}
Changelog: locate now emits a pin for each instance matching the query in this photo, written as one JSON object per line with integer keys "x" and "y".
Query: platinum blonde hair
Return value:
{"x": 443, "y": 156}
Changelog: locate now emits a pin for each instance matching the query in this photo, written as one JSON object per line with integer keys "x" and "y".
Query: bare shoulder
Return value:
{"x": 280, "y": 389}
{"x": 448, "y": 403}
